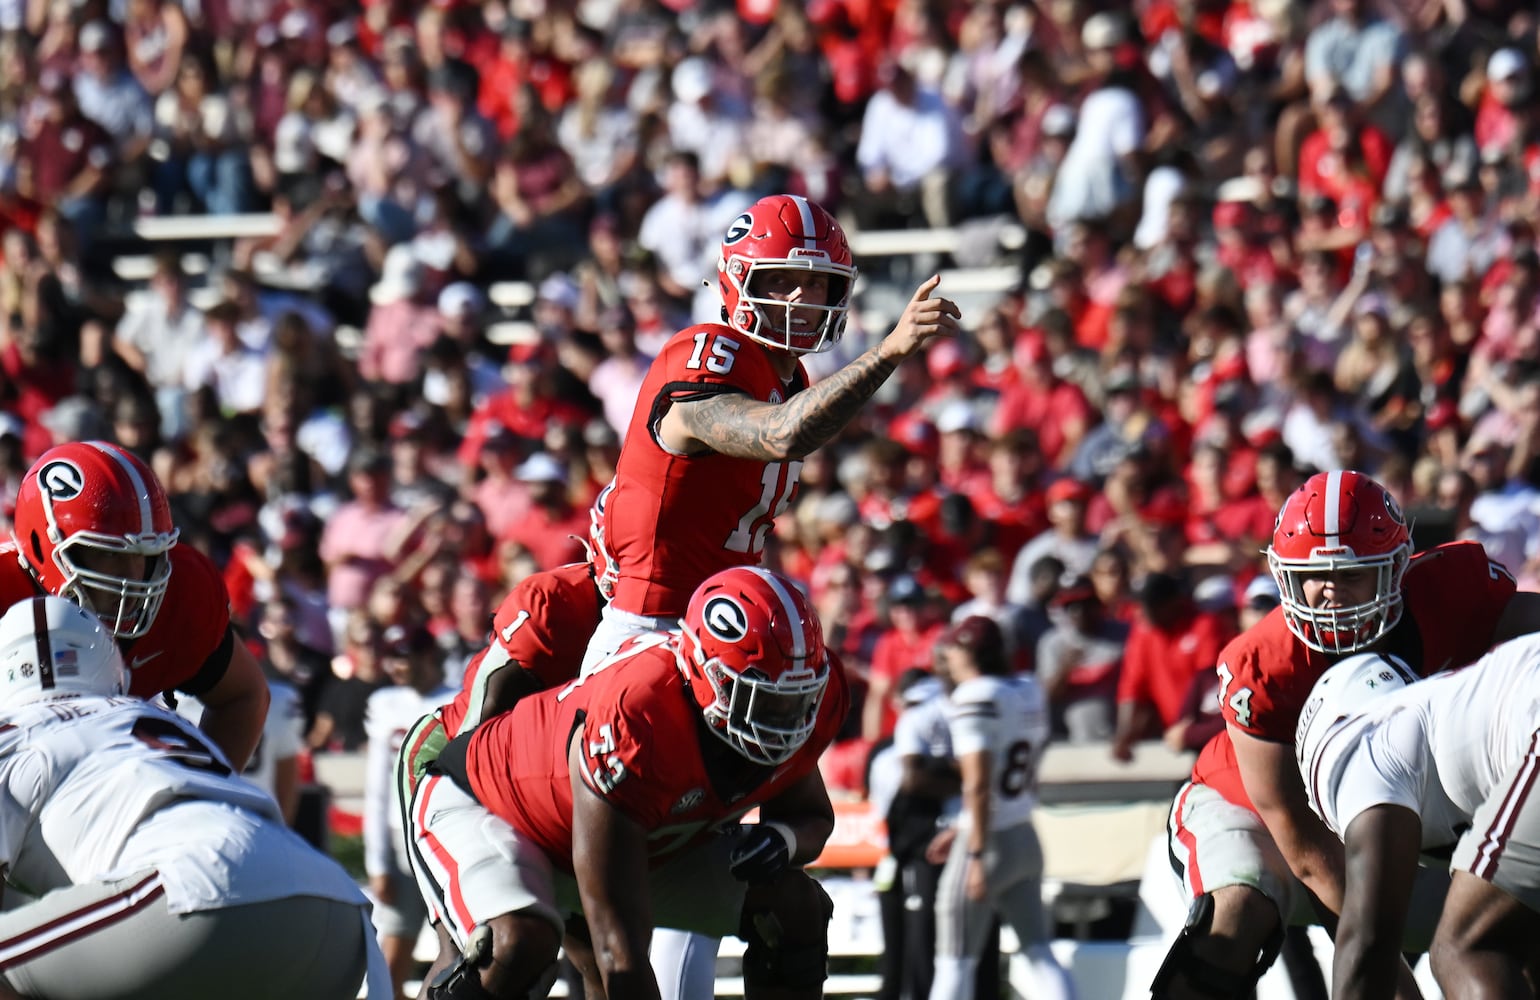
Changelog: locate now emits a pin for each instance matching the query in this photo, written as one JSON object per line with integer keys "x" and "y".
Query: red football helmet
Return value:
{"x": 89, "y": 497}
{"x": 754, "y": 656}
{"x": 788, "y": 232}
{"x": 1336, "y": 521}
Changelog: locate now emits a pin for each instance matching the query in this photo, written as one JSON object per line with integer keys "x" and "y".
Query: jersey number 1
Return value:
{"x": 780, "y": 481}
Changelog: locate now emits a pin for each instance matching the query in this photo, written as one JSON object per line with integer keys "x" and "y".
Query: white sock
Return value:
{"x": 954, "y": 978}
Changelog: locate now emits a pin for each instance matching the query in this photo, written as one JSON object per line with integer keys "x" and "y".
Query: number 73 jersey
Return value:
{"x": 643, "y": 747}
{"x": 1454, "y": 597}
{"x": 674, "y": 520}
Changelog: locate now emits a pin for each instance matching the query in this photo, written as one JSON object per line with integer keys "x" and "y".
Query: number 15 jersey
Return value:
{"x": 674, "y": 520}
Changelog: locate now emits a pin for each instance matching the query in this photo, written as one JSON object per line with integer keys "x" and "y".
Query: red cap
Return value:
{"x": 1069, "y": 489}
{"x": 944, "y": 359}
{"x": 1441, "y": 414}
{"x": 917, "y": 435}
{"x": 1231, "y": 215}
{"x": 525, "y": 354}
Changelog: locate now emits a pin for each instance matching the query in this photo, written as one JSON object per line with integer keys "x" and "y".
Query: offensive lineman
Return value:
{"x": 1243, "y": 841}
{"x": 643, "y": 766}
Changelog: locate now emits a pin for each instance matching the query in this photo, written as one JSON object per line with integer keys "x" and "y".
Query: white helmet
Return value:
{"x": 50, "y": 648}
{"x": 1349, "y": 686}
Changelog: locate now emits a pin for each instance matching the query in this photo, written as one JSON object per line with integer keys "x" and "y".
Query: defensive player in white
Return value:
{"x": 1444, "y": 767}
{"x": 999, "y": 724}
{"x": 413, "y": 661}
{"x": 159, "y": 873}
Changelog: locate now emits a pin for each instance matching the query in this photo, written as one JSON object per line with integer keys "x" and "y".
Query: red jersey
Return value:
{"x": 644, "y": 749}
{"x": 674, "y": 520}
{"x": 542, "y": 626}
{"x": 1453, "y": 596}
{"x": 189, "y": 646}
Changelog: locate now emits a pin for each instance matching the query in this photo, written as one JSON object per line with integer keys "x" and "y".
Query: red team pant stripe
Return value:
{"x": 70, "y": 927}
{"x": 1491, "y": 850}
{"x": 456, "y": 897}
{"x": 1185, "y": 835}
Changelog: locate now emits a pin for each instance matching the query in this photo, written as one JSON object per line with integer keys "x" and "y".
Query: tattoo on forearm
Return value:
{"x": 744, "y": 428}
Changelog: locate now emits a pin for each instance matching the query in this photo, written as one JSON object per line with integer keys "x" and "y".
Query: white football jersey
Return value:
{"x": 1007, "y": 718}
{"x": 390, "y": 713}
{"x": 1436, "y": 747}
{"x": 99, "y": 788}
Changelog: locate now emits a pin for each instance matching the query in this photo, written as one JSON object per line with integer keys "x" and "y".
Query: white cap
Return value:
{"x": 541, "y": 467}
{"x": 1263, "y": 588}
{"x": 461, "y": 297}
{"x": 958, "y": 415}
{"x": 1505, "y": 64}
{"x": 1104, "y": 31}
{"x": 1215, "y": 593}
{"x": 400, "y": 277}
{"x": 560, "y": 290}
{"x": 692, "y": 79}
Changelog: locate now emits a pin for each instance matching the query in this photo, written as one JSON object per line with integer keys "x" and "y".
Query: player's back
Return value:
{"x": 673, "y": 520}
{"x": 543, "y": 626}
{"x": 83, "y": 775}
{"x": 1007, "y": 718}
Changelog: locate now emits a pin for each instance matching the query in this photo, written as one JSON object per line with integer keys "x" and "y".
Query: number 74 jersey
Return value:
{"x": 1454, "y": 597}
{"x": 673, "y": 520}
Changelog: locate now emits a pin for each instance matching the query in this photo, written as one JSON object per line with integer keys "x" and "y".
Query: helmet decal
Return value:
{"x": 725, "y": 619}
{"x": 1394, "y": 509}
{"x": 741, "y": 227}
{"x": 61, "y": 480}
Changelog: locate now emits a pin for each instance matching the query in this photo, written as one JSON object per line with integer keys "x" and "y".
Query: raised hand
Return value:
{"x": 924, "y": 319}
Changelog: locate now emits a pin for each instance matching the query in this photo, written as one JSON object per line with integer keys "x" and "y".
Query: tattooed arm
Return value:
{"x": 735, "y": 425}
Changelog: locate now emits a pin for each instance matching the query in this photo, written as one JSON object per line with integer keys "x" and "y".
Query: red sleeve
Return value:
{"x": 1456, "y": 594}
{"x": 1265, "y": 675}
{"x": 545, "y": 622}
{"x": 190, "y": 644}
{"x": 1133, "y": 678}
{"x": 624, "y": 762}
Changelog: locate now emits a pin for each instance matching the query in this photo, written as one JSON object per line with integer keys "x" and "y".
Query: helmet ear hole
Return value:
{"x": 37, "y": 547}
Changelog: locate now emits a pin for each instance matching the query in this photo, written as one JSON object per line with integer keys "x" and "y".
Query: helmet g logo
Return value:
{"x": 61, "y": 480}
{"x": 725, "y": 619}
{"x": 741, "y": 227}
{"x": 1394, "y": 509}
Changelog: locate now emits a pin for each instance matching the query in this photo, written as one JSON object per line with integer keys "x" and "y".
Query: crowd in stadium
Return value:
{"x": 1262, "y": 239}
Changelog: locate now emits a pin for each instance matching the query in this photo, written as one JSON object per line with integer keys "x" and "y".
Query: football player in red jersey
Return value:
{"x": 726, "y": 415}
{"x": 645, "y": 765}
{"x": 93, "y": 525}
{"x": 1244, "y": 841}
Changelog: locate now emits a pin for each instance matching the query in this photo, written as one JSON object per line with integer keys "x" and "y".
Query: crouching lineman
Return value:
{"x": 1443, "y": 767}
{"x": 160, "y": 872}
{"x": 614, "y": 799}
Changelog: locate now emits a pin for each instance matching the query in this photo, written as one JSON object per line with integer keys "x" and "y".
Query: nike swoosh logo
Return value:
{"x": 140, "y": 661}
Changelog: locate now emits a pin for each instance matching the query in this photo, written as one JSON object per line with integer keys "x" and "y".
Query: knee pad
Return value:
{"x": 1203, "y": 976}
{"x": 775, "y": 959}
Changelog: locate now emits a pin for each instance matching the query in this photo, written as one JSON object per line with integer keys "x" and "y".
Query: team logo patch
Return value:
{"x": 741, "y": 227}
{"x": 689, "y": 800}
{"x": 725, "y": 619}
{"x": 62, "y": 480}
{"x": 775, "y": 395}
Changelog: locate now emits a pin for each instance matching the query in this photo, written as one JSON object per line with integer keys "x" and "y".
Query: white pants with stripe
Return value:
{"x": 117, "y": 939}
{"x": 472, "y": 866}
{"x": 1502, "y": 845}
{"x": 1215, "y": 843}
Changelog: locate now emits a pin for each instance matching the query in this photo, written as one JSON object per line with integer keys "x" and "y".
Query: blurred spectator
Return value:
{"x": 1066, "y": 538}
{"x": 470, "y": 611}
{"x": 910, "y": 138}
{"x": 914, "y": 627}
{"x": 401, "y": 325}
{"x": 353, "y": 542}
{"x": 1078, "y": 661}
{"x": 356, "y": 674}
{"x": 1167, "y": 646}
{"x": 552, "y": 528}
